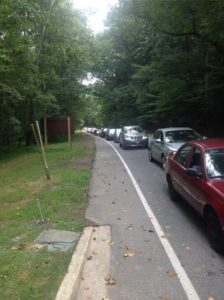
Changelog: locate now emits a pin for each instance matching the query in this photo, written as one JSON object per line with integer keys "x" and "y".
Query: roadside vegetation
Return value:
{"x": 161, "y": 63}
{"x": 29, "y": 271}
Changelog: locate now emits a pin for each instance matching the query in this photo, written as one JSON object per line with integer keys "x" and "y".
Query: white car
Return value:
{"x": 166, "y": 140}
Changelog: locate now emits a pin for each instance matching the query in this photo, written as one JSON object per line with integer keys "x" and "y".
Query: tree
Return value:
{"x": 45, "y": 50}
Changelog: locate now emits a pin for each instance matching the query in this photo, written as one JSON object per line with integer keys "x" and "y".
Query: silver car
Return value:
{"x": 165, "y": 140}
{"x": 117, "y": 135}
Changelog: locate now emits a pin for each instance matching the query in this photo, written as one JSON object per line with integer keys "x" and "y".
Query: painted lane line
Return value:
{"x": 181, "y": 273}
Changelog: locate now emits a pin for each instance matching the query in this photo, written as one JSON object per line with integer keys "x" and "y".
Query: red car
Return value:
{"x": 196, "y": 172}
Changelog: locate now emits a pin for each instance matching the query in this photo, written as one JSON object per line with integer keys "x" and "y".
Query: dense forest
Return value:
{"x": 158, "y": 63}
{"x": 161, "y": 63}
{"x": 45, "y": 51}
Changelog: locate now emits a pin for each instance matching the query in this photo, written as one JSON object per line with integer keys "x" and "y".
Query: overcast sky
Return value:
{"x": 96, "y": 11}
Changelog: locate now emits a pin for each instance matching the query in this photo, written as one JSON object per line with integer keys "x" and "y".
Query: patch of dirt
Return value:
{"x": 89, "y": 223}
{"x": 81, "y": 164}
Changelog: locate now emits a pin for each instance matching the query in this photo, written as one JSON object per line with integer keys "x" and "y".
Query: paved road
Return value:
{"x": 139, "y": 263}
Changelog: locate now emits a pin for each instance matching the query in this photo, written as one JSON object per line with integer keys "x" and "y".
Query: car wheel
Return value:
{"x": 174, "y": 196}
{"x": 163, "y": 161}
{"x": 215, "y": 233}
{"x": 150, "y": 155}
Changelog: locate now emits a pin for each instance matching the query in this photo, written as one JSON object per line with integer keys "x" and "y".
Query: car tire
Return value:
{"x": 150, "y": 155}
{"x": 163, "y": 161}
{"x": 174, "y": 196}
{"x": 215, "y": 233}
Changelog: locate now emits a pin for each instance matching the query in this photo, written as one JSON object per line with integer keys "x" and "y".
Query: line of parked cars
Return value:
{"x": 127, "y": 136}
{"x": 194, "y": 169}
{"x": 193, "y": 165}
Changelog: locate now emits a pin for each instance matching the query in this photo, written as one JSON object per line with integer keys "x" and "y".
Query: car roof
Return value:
{"x": 130, "y": 126}
{"x": 209, "y": 143}
{"x": 174, "y": 128}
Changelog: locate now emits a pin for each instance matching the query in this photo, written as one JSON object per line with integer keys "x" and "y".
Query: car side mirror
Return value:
{"x": 193, "y": 172}
{"x": 158, "y": 141}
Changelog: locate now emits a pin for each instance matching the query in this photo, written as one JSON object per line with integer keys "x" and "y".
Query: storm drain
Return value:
{"x": 58, "y": 239}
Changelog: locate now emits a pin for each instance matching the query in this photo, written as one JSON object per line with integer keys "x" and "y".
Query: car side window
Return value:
{"x": 158, "y": 135}
{"x": 183, "y": 154}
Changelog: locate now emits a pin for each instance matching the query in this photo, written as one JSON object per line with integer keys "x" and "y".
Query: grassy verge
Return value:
{"x": 28, "y": 272}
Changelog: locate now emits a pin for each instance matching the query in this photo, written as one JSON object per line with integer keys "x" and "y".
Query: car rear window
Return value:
{"x": 180, "y": 136}
{"x": 214, "y": 163}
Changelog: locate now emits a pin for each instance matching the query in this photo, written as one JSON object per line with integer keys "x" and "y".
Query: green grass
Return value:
{"x": 36, "y": 274}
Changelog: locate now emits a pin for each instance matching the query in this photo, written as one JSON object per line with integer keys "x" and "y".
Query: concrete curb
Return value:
{"x": 70, "y": 284}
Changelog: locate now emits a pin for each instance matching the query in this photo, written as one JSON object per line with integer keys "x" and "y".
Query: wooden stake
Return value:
{"x": 42, "y": 152}
{"x": 45, "y": 133}
{"x": 69, "y": 133}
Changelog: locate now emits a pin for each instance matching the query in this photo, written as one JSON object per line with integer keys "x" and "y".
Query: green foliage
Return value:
{"x": 45, "y": 50}
{"x": 25, "y": 269}
{"x": 163, "y": 61}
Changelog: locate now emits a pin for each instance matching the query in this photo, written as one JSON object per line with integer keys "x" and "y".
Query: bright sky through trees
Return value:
{"x": 96, "y": 11}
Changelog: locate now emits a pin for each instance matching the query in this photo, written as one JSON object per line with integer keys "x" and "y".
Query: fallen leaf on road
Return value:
{"x": 188, "y": 248}
{"x": 211, "y": 298}
{"x": 165, "y": 298}
{"x": 94, "y": 239}
{"x": 171, "y": 274}
{"x": 130, "y": 227}
{"x": 89, "y": 257}
{"x": 105, "y": 298}
{"x": 163, "y": 236}
{"x": 110, "y": 280}
{"x": 128, "y": 254}
{"x": 150, "y": 230}
{"x": 110, "y": 242}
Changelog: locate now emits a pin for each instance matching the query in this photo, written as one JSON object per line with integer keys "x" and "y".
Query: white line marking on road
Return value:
{"x": 182, "y": 275}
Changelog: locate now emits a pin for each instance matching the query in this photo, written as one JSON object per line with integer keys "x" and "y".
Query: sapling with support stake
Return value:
{"x": 38, "y": 138}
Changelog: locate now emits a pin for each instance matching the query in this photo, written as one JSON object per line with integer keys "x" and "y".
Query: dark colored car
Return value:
{"x": 117, "y": 135}
{"x": 133, "y": 136}
{"x": 110, "y": 134}
{"x": 196, "y": 172}
{"x": 103, "y": 132}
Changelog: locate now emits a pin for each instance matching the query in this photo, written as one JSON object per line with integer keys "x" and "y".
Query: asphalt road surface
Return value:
{"x": 159, "y": 249}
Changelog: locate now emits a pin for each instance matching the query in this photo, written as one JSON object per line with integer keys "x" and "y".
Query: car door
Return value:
{"x": 156, "y": 144}
{"x": 179, "y": 167}
{"x": 194, "y": 186}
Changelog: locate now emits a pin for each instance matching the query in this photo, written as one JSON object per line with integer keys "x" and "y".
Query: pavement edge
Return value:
{"x": 70, "y": 284}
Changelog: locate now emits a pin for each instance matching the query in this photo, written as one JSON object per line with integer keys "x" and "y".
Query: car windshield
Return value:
{"x": 214, "y": 163}
{"x": 181, "y": 136}
{"x": 133, "y": 130}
